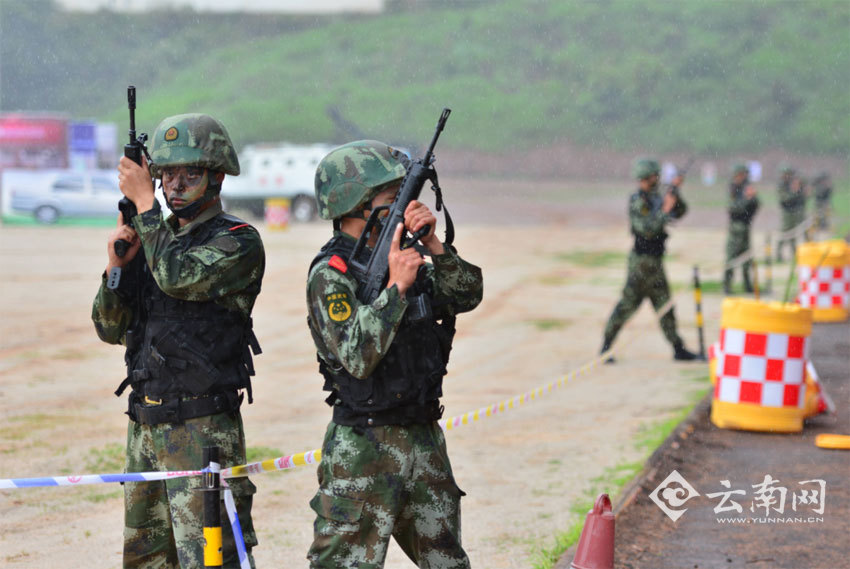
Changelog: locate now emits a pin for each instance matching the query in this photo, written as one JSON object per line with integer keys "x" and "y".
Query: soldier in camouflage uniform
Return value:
{"x": 742, "y": 206}
{"x": 792, "y": 200}
{"x": 384, "y": 471}
{"x": 649, "y": 212}
{"x": 182, "y": 308}
{"x": 822, "y": 188}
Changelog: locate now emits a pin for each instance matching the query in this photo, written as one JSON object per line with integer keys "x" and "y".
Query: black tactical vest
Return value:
{"x": 407, "y": 383}
{"x": 181, "y": 348}
{"x": 653, "y": 246}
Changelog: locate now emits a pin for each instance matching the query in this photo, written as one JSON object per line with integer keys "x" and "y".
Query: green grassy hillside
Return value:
{"x": 704, "y": 76}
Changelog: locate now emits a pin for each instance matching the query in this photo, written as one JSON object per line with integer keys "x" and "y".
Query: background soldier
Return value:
{"x": 384, "y": 471}
{"x": 792, "y": 200}
{"x": 743, "y": 204}
{"x": 649, "y": 212}
{"x": 185, "y": 321}
{"x": 822, "y": 187}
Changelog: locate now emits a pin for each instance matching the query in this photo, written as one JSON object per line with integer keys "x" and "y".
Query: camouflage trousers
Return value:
{"x": 737, "y": 243}
{"x": 645, "y": 279}
{"x": 822, "y": 215}
{"x": 790, "y": 220}
{"x": 163, "y": 520}
{"x": 380, "y": 482}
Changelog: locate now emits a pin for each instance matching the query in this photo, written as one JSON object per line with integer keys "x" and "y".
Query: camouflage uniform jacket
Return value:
{"x": 741, "y": 208}
{"x": 647, "y": 220}
{"x": 226, "y": 270}
{"x": 791, "y": 201}
{"x": 358, "y": 335}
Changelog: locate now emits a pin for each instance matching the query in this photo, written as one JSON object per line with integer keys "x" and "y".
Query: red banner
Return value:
{"x": 32, "y": 131}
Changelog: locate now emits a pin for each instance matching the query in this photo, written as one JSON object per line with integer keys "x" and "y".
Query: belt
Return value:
{"x": 409, "y": 415}
{"x": 177, "y": 410}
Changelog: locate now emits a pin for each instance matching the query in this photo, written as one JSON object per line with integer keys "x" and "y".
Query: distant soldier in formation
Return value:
{"x": 385, "y": 471}
{"x": 792, "y": 200}
{"x": 742, "y": 206}
{"x": 649, "y": 213}
{"x": 822, "y": 189}
{"x": 185, "y": 320}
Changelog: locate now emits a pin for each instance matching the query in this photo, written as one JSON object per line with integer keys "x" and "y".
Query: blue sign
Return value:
{"x": 82, "y": 137}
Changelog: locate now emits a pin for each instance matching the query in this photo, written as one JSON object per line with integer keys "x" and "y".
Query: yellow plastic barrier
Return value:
{"x": 823, "y": 273}
{"x": 759, "y": 366}
{"x": 277, "y": 214}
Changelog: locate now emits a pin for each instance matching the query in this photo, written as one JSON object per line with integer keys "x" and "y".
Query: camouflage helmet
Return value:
{"x": 646, "y": 167}
{"x": 740, "y": 168}
{"x": 193, "y": 140}
{"x": 353, "y": 174}
{"x": 786, "y": 168}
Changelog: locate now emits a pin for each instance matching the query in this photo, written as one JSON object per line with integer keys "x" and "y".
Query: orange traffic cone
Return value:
{"x": 596, "y": 545}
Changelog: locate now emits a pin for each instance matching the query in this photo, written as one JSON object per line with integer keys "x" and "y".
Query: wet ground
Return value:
{"x": 793, "y": 535}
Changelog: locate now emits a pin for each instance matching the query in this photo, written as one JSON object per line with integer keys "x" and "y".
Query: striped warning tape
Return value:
{"x": 281, "y": 463}
{"x": 304, "y": 458}
{"x": 450, "y": 423}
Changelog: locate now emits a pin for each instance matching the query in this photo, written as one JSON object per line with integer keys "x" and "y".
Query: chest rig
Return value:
{"x": 187, "y": 359}
{"x": 654, "y": 246}
{"x": 406, "y": 385}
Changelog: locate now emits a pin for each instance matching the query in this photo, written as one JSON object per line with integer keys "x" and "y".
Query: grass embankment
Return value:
{"x": 545, "y": 554}
{"x": 705, "y": 77}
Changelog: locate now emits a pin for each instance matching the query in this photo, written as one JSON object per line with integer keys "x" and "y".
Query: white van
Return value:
{"x": 276, "y": 171}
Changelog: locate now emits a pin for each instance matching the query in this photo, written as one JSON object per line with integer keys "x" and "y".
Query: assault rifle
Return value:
{"x": 373, "y": 273}
{"x": 133, "y": 150}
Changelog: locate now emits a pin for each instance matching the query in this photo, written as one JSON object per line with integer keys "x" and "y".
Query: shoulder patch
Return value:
{"x": 338, "y": 263}
{"x": 339, "y": 310}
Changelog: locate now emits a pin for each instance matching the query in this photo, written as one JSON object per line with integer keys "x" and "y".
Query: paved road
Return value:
{"x": 705, "y": 455}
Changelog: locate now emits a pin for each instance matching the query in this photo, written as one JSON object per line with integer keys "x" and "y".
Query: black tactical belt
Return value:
{"x": 737, "y": 217}
{"x": 178, "y": 410}
{"x": 409, "y": 415}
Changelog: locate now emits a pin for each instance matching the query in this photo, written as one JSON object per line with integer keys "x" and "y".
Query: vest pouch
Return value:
{"x": 179, "y": 364}
{"x": 361, "y": 390}
{"x": 418, "y": 309}
{"x": 199, "y": 375}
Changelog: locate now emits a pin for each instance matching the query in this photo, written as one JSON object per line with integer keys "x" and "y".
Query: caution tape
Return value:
{"x": 301, "y": 459}
{"x": 796, "y": 231}
{"x": 79, "y": 480}
{"x": 281, "y": 463}
{"x": 451, "y": 423}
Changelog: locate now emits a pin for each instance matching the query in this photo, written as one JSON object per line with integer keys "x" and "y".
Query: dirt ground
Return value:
{"x": 553, "y": 256}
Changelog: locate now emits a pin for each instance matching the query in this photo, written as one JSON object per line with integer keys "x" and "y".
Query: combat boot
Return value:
{"x": 683, "y": 355}
{"x": 605, "y": 347}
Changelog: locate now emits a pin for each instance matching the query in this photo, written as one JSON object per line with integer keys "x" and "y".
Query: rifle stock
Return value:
{"x": 373, "y": 273}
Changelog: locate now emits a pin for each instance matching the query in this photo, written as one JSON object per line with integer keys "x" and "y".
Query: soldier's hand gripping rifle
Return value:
{"x": 374, "y": 272}
{"x": 133, "y": 150}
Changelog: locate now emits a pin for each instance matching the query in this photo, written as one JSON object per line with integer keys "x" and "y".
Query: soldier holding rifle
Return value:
{"x": 385, "y": 470}
{"x": 649, "y": 213}
{"x": 184, "y": 317}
